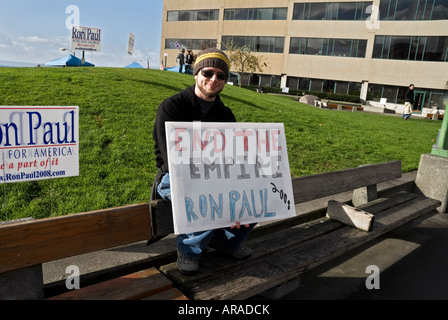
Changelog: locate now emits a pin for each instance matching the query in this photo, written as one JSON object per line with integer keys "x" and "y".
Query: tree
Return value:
{"x": 243, "y": 59}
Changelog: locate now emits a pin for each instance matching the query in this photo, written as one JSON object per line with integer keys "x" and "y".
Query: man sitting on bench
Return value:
{"x": 200, "y": 102}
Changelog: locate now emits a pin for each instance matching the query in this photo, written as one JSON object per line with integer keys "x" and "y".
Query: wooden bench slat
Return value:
{"x": 214, "y": 264}
{"x": 170, "y": 294}
{"x": 35, "y": 242}
{"x": 134, "y": 286}
{"x": 259, "y": 274}
{"x": 325, "y": 184}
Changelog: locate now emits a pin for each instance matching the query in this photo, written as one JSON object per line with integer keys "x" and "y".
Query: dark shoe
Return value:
{"x": 241, "y": 254}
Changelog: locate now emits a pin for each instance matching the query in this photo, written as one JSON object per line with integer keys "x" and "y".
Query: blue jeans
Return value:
{"x": 406, "y": 116}
{"x": 164, "y": 189}
{"x": 192, "y": 245}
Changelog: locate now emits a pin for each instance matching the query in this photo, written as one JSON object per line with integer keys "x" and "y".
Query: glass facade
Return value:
{"x": 332, "y": 10}
{"x": 329, "y": 47}
{"x": 416, "y": 48}
{"x": 264, "y": 80}
{"x": 256, "y": 14}
{"x": 323, "y": 85}
{"x": 413, "y": 9}
{"x": 193, "y": 44}
{"x": 257, "y": 44}
{"x": 428, "y": 46}
{"x": 423, "y": 97}
{"x": 193, "y": 15}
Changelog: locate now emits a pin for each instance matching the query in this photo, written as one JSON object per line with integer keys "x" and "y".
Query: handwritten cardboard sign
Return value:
{"x": 221, "y": 173}
{"x": 38, "y": 143}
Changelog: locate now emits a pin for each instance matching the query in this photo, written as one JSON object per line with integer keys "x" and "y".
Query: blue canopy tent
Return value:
{"x": 68, "y": 61}
{"x": 174, "y": 69}
{"x": 135, "y": 65}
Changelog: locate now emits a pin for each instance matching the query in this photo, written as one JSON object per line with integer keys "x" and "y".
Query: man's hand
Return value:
{"x": 238, "y": 226}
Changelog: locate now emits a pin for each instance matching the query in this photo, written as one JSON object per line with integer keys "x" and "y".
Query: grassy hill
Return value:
{"x": 117, "y": 111}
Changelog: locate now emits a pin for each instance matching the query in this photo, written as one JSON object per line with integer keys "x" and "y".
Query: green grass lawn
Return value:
{"x": 117, "y": 111}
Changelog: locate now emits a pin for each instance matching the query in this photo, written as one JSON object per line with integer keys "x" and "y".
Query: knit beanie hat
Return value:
{"x": 212, "y": 57}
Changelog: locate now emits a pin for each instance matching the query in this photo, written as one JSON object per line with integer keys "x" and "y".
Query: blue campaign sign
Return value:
{"x": 221, "y": 173}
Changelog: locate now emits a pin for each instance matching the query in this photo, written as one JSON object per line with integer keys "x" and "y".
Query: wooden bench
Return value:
{"x": 285, "y": 249}
{"x": 25, "y": 246}
{"x": 434, "y": 116}
{"x": 282, "y": 250}
{"x": 339, "y": 107}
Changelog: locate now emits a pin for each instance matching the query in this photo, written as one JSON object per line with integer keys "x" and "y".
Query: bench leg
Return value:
{"x": 364, "y": 195}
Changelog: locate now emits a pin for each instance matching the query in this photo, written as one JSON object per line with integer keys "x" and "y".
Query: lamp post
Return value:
{"x": 83, "y": 59}
{"x": 441, "y": 146}
{"x": 72, "y": 52}
{"x": 147, "y": 62}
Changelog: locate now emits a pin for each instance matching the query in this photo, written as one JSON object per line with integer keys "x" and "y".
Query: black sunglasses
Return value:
{"x": 209, "y": 74}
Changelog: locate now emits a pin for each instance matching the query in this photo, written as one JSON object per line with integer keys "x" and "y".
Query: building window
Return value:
{"x": 265, "y": 80}
{"x": 390, "y": 93}
{"x": 354, "y": 88}
{"x": 355, "y": 48}
{"x": 438, "y": 99}
{"x": 413, "y": 9}
{"x": 193, "y": 15}
{"x": 193, "y": 44}
{"x": 332, "y": 10}
{"x": 416, "y": 48}
{"x": 256, "y": 14}
{"x": 341, "y": 87}
{"x": 320, "y": 85}
{"x": 256, "y": 44}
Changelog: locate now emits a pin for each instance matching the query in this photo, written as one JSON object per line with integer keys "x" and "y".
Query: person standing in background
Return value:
{"x": 181, "y": 59}
{"x": 188, "y": 61}
{"x": 409, "y": 102}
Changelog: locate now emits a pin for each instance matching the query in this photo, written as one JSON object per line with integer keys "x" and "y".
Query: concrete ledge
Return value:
{"x": 432, "y": 179}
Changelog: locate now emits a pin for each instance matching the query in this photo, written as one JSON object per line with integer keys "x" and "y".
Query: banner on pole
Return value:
{"x": 85, "y": 39}
{"x": 221, "y": 173}
{"x": 38, "y": 143}
{"x": 131, "y": 43}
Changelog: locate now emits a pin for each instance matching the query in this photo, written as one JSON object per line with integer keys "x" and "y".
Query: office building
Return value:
{"x": 372, "y": 49}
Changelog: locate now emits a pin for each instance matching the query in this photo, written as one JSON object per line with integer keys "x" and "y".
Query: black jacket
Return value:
{"x": 181, "y": 58}
{"x": 184, "y": 106}
{"x": 409, "y": 96}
